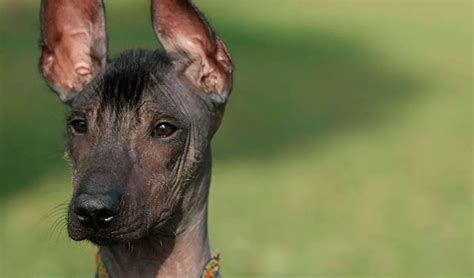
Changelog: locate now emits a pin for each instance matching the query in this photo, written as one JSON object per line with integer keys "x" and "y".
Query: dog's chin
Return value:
{"x": 106, "y": 237}
{"x": 118, "y": 233}
{"x": 103, "y": 241}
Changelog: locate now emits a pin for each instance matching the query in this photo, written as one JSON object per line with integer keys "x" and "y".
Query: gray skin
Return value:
{"x": 138, "y": 133}
{"x": 155, "y": 188}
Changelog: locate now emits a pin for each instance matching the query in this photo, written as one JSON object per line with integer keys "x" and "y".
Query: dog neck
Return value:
{"x": 182, "y": 254}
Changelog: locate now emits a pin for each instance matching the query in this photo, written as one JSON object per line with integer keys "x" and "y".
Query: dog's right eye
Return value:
{"x": 79, "y": 126}
{"x": 163, "y": 130}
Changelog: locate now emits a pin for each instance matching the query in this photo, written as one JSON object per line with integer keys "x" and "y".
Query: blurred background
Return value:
{"x": 346, "y": 149}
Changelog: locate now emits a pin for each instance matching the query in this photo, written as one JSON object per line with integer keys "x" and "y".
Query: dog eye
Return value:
{"x": 163, "y": 130}
{"x": 79, "y": 126}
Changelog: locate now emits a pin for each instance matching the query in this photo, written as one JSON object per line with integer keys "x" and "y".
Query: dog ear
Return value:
{"x": 182, "y": 28}
{"x": 73, "y": 44}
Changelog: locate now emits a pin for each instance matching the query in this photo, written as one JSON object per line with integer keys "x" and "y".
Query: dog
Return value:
{"x": 138, "y": 135}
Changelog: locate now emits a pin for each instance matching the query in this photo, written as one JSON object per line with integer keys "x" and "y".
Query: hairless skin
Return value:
{"x": 138, "y": 133}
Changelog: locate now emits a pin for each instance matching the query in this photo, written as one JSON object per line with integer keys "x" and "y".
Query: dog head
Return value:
{"x": 140, "y": 124}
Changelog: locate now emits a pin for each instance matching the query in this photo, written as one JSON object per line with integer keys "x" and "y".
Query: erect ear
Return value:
{"x": 181, "y": 28}
{"x": 73, "y": 44}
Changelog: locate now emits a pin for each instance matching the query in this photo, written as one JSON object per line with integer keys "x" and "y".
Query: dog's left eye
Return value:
{"x": 163, "y": 130}
{"x": 79, "y": 126}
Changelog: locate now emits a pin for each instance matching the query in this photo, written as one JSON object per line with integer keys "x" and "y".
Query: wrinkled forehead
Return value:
{"x": 139, "y": 81}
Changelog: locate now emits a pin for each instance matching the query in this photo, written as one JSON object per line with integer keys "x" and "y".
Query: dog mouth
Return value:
{"x": 107, "y": 238}
{"x": 159, "y": 229}
{"x": 119, "y": 232}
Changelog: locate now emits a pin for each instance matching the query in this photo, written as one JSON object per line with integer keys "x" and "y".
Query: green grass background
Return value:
{"x": 346, "y": 149}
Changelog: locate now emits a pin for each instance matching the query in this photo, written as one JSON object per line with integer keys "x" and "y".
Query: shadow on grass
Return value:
{"x": 289, "y": 88}
{"x": 300, "y": 87}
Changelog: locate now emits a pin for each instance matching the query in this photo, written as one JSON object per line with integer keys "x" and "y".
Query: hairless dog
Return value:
{"x": 138, "y": 135}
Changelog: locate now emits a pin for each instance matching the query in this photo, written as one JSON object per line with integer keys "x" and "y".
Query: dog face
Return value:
{"x": 137, "y": 136}
{"x": 140, "y": 124}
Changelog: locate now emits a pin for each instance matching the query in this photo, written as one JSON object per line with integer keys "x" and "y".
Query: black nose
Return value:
{"x": 96, "y": 210}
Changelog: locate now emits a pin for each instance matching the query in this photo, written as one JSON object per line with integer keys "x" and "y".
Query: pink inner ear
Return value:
{"x": 73, "y": 43}
{"x": 70, "y": 65}
{"x": 180, "y": 27}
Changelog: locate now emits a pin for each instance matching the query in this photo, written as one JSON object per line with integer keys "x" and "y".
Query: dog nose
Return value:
{"x": 96, "y": 210}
